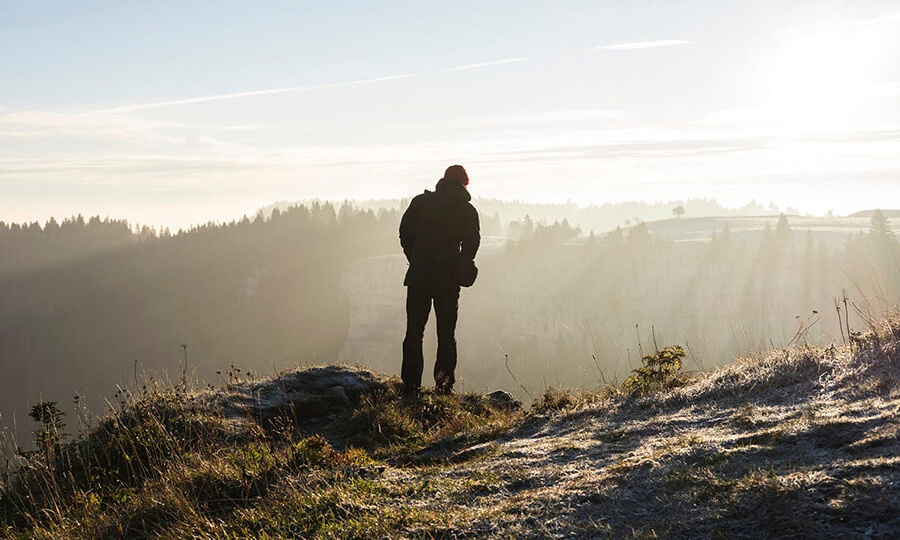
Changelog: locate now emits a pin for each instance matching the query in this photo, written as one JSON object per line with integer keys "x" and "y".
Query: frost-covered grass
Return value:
{"x": 801, "y": 443}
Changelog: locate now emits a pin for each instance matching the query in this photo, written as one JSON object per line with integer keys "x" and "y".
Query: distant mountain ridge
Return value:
{"x": 890, "y": 214}
{"x": 497, "y": 214}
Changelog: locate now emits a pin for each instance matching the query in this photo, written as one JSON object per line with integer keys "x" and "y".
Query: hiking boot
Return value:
{"x": 443, "y": 390}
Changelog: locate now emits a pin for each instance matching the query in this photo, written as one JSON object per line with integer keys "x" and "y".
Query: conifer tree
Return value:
{"x": 879, "y": 225}
{"x": 783, "y": 228}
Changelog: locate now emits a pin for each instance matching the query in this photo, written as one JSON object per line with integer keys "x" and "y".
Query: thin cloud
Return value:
{"x": 237, "y": 95}
{"x": 244, "y": 127}
{"x": 729, "y": 116}
{"x": 634, "y": 45}
{"x": 486, "y": 64}
{"x": 883, "y": 19}
{"x": 35, "y": 124}
{"x": 537, "y": 119}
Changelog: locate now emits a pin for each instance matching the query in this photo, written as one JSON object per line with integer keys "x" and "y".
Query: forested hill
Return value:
{"x": 598, "y": 218}
{"x": 91, "y": 303}
{"x": 28, "y": 246}
{"x": 88, "y": 304}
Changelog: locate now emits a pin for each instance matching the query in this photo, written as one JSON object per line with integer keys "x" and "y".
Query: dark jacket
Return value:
{"x": 437, "y": 230}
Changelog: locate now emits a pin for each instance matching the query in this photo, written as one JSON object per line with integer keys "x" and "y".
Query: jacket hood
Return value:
{"x": 451, "y": 189}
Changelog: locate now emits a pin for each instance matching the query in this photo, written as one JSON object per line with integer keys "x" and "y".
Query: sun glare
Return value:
{"x": 821, "y": 79}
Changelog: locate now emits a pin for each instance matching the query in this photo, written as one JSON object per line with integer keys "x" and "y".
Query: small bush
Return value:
{"x": 554, "y": 399}
{"x": 316, "y": 451}
{"x": 661, "y": 371}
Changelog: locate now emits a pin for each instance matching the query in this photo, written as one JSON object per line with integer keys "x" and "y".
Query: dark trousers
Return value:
{"x": 419, "y": 298}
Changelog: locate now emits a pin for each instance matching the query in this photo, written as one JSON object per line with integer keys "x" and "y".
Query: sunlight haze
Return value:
{"x": 179, "y": 112}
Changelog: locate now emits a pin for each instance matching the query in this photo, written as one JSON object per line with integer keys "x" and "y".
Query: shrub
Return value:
{"x": 554, "y": 399}
{"x": 316, "y": 451}
{"x": 660, "y": 371}
{"x": 52, "y": 428}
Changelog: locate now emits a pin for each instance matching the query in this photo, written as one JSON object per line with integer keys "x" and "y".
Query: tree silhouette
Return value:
{"x": 879, "y": 225}
{"x": 783, "y": 228}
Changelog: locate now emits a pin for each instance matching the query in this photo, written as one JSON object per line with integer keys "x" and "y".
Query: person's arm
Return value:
{"x": 408, "y": 230}
{"x": 471, "y": 236}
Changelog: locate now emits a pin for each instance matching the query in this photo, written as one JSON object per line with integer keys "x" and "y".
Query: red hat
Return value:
{"x": 458, "y": 173}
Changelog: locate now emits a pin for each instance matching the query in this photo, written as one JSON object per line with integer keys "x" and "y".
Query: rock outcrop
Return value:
{"x": 304, "y": 394}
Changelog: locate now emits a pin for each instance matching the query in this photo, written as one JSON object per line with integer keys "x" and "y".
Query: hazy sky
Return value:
{"x": 180, "y": 111}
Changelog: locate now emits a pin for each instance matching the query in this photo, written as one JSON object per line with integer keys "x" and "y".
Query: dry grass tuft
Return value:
{"x": 170, "y": 465}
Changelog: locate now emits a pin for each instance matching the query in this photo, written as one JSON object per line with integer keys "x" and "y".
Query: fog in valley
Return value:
{"x": 567, "y": 295}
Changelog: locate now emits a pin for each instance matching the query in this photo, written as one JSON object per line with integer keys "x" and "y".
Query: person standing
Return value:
{"x": 440, "y": 235}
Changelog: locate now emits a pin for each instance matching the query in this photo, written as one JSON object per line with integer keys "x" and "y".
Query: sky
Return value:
{"x": 174, "y": 112}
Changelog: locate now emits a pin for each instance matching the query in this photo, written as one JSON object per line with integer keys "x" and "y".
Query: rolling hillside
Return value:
{"x": 801, "y": 443}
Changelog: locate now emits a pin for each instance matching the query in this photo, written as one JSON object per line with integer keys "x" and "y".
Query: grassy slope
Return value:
{"x": 803, "y": 443}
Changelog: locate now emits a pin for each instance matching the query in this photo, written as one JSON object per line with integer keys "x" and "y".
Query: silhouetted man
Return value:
{"x": 440, "y": 235}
